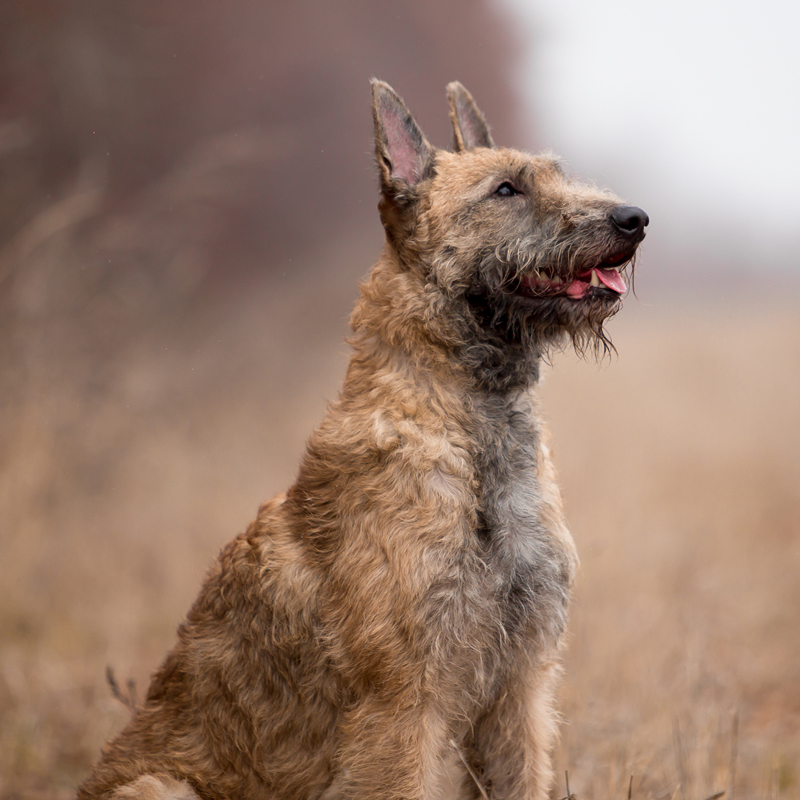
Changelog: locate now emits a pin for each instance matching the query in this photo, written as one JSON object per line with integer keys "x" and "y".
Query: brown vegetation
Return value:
{"x": 679, "y": 466}
{"x": 681, "y": 489}
{"x": 143, "y": 418}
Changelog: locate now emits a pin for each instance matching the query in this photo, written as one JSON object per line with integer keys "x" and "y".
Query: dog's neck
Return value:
{"x": 400, "y": 311}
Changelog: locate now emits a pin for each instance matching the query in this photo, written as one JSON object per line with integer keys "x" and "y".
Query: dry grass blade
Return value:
{"x": 130, "y": 700}
{"x": 734, "y": 754}
{"x": 630, "y": 788}
{"x": 774, "y": 778}
{"x": 680, "y": 756}
{"x": 469, "y": 770}
{"x": 566, "y": 779}
{"x": 716, "y": 795}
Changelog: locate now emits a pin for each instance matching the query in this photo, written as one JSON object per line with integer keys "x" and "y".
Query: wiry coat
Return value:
{"x": 399, "y": 610}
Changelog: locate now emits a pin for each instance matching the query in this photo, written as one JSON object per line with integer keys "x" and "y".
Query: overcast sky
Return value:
{"x": 688, "y": 107}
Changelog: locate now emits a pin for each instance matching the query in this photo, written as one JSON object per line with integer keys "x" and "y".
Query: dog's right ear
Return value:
{"x": 469, "y": 124}
{"x": 402, "y": 150}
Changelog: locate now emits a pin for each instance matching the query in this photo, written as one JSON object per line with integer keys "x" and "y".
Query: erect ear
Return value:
{"x": 469, "y": 124}
{"x": 401, "y": 148}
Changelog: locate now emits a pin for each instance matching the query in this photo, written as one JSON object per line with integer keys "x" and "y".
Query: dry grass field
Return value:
{"x": 167, "y": 344}
{"x": 681, "y": 470}
{"x": 127, "y": 462}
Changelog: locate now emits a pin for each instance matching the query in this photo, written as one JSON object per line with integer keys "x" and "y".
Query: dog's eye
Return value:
{"x": 506, "y": 189}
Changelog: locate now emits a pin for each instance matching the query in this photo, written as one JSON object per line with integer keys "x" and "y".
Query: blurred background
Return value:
{"x": 187, "y": 202}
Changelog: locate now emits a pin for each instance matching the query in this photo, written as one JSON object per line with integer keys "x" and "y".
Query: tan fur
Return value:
{"x": 402, "y": 606}
{"x": 149, "y": 787}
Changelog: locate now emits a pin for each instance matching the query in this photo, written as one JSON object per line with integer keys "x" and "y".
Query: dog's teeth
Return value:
{"x": 595, "y": 281}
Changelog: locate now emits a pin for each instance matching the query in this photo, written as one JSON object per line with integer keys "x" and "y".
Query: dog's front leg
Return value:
{"x": 514, "y": 739}
{"x": 393, "y": 750}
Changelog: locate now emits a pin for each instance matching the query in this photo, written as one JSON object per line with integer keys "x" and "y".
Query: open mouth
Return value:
{"x": 603, "y": 280}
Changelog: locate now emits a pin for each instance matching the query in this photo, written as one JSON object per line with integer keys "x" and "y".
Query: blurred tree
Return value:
{"x": 138, "y": 88}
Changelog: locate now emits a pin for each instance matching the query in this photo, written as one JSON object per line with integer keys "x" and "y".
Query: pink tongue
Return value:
{"x": 608, "y": 277}
{"x": 612, "y": 279}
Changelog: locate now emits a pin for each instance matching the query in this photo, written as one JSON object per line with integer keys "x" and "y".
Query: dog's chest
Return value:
{"x": 507, "y": 462}
{"x": 526, "y": 544}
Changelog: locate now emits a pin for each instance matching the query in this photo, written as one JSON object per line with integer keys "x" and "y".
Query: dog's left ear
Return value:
{"x": 469, "y": 124}
{"x": 402, "y": 150}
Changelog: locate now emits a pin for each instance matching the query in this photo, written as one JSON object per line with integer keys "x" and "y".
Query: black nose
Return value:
{"x": 630, "y": 220}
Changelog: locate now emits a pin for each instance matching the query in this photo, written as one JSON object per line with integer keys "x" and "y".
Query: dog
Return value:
{"x": 390, "y": 626}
